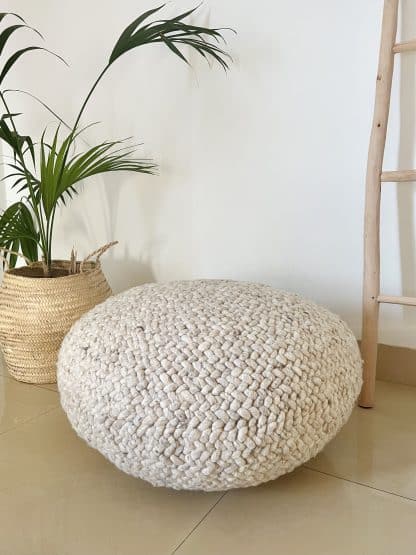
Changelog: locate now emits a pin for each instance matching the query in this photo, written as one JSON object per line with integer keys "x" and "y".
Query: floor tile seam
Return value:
{"x": 29, "y": 420}
{"x": 181, "y": 543}
{"x": 362, "y": 484}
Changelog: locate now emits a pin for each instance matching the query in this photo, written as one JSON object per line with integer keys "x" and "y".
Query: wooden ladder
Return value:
{"x": 375, "y": 177}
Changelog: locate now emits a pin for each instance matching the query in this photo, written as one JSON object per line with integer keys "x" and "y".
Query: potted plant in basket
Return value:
{"x": 40, "y": 301}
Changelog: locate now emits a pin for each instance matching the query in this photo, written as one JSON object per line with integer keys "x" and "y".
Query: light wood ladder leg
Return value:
{"x": 371, "y": 288}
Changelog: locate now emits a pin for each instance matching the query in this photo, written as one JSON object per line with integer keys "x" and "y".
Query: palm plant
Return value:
{"x": 47, "y": 173}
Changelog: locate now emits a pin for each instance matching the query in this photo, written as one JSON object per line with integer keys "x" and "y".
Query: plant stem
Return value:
{"x": 51, "y": 219}
{"x": 84, "y": 104}
{"x": 51, "y": 222}
{"x": 77, "y": 120}
{"x": 37, "y": 212}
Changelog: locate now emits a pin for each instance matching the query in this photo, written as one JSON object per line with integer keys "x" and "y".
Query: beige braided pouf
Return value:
{"x": 208, "y": 385}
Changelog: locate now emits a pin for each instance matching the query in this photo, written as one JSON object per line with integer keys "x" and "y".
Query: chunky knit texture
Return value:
{"x": 208, "y": 385}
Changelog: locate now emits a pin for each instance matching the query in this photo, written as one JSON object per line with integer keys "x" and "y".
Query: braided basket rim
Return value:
{"x": 89, "y": 268}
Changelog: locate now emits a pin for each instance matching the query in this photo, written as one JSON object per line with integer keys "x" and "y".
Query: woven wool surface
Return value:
{"x": 208, "y": 384}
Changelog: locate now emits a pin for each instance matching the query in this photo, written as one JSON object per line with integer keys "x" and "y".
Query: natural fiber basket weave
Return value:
{"x": 37, "y": 312}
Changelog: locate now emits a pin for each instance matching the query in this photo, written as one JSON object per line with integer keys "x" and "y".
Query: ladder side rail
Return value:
{"x": 371, "y": 287}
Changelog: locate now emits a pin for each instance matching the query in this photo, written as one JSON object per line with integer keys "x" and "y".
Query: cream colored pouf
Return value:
{"x": 208, "y": 385}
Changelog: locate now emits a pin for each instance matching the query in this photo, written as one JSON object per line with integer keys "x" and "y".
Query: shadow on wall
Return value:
{"x": 127, "y": 272}
{"x": 125, "y": 269}
{"x": 113, "y": 209}
{"x": 405, "y": 191}
{"x": 122, "y": 266}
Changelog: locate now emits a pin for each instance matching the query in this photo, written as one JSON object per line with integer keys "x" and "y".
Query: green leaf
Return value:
{"x": 22, "y": 178}
{"x": 41, "y": 102}
{"x": 59, "y": 173}
{"x": 7, "y": 33}
{"x": 119, "y": 47}
{"x": 18, "y": 232}
{"x": 169, "y": 31}
{"x": 185, "y": 14}
{"x": 12, "y": 256}
{"x": 14, "y": 140}
{"x": 3, "y": 15}
{"x": 10, "y": 116}
{"x": 175, "y": 50}
{"x": 14, "y": 57}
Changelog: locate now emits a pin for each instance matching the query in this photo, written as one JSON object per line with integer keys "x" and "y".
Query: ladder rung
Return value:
{"x": 407, "y": 46}
{"x": 410, "y": 301}
{"x": 404, "y": 175}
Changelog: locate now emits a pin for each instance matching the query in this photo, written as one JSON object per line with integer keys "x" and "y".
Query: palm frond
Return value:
{"x": 22, "y": 178}
{"x": 52, "y": 173}
{"x": 18, "y": 232}
{"x": 4, "y": 14}
{"x": 59, "y": 174}
{"x": 13, "y": 139}
{"x": 8, "y": 32}
{"x": 14, "y": 57}
{"x": 173, "y": 33}
{"x": 41, "y": 102}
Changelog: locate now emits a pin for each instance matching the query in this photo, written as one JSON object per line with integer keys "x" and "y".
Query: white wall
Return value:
{"x": 262, "y": 170}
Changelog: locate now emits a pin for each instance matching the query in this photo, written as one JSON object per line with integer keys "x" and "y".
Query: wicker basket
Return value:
{"x": 36, "y": 313}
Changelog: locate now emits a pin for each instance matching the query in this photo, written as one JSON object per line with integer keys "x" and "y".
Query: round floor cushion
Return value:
{"x": 208, "y": 384}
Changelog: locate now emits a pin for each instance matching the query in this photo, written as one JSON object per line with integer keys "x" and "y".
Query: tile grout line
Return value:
{"x": 31, "y": 419}
{"x": 198, "y": 523}
{"x": 360, "y": 484}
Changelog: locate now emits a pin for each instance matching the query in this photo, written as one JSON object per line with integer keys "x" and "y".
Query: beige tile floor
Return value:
{"x": 59, "y": 497}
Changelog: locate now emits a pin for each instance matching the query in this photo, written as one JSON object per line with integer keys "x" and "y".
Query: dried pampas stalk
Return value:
{"x": 73, "y": 263}
{"x": 46, "y": 269}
